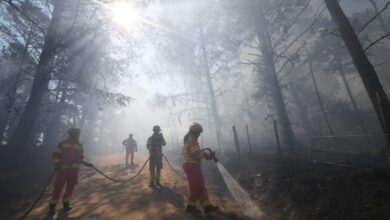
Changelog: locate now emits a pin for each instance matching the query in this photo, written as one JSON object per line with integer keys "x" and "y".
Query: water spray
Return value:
{"x": 241, "y": 197}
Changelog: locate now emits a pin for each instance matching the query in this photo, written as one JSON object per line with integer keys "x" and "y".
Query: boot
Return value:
{"x": 52, "y": 209}
{"x": 210, "y": 208}
{"x": 66, "y": 207}
{"x": 151, "y": 184}
{"x": 192, "y": 209}
{"x": 158, "y": 183}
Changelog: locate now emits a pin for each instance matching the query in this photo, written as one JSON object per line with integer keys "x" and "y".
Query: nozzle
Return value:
{"x": 212, "y": 153}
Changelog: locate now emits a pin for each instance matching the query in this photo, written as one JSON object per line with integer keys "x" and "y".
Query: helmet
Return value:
{"x": 73, "y": 131}
{"x": 156, "y": 128}
{"x": 196, "y": 128}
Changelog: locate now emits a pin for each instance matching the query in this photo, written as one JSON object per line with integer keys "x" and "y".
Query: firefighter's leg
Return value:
{"x": 58, "y": 185}
{"x": 159, "y": 167}
{"x": 132, "y": 155}
{"x": 193, "y": 175}
{"x": 204, "y": 197}
{"x": 152, "y": 167}
{"x": 70, "y": 184}
{"x": 127, "y": 157}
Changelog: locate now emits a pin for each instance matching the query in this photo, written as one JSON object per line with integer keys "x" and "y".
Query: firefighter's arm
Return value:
{"x": 149, "y": 143}
{"x": 82, "y": 161}
{"x": 195, "y": 151}
{"x": 56, "y": 157}
{"x": 163, "y": 142}
{"x": 135, "y": 145}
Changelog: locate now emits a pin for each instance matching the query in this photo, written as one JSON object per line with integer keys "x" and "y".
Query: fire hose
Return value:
{"x": 110, "y": 178}
{"x": 93, "y": 167}
{"x": 39, "y": 196}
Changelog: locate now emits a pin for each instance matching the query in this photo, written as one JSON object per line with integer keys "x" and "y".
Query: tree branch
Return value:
{"x": 10, "y": 3}
{"x": 376, "y": 41}
{"x": 373, "y": 18}
{"x": 300, "y": 35}
{"x": 293, "y": 22}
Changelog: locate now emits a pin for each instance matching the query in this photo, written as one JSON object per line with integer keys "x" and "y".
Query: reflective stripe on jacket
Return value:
{"x": 68, "y": 153}
{"x": 191, "y": 151}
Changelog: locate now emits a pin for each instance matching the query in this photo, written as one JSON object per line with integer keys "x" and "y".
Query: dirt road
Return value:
{"x": 98, "y": 198}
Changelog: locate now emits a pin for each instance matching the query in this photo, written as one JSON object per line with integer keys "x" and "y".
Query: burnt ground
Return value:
{"x": 302, "y": 189}
{"x": 293, "y": 189}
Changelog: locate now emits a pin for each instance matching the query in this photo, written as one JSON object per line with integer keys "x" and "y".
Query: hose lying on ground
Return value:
{"x": 118, "y": 180}
{"x": 97, "y": 170}
{"x": 39, "y": 196}
{"x": 173, "y": 169}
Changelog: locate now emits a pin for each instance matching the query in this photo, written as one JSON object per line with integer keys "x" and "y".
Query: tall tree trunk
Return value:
{"x": 366, "y": 71}
{"x": 349, "y": 92}
{"x": 328, "y": 125}
{"x": 211, "y": 92}
{"x": 268, "y": 57}
{"x": 19, "y": 140}
{"x": 52, "y": 133}
{"x": 13, "y": 86}
{"x": 302, "y": 109}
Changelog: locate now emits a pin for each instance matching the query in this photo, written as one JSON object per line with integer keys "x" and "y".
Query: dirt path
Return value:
{"x": 98, "y": 198}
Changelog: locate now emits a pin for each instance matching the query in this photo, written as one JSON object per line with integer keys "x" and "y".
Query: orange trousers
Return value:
{"x": 198, "y": 191}
{"x": 66, "y": 176}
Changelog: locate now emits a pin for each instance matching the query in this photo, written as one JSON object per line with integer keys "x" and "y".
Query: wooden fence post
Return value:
{"x": 277, "y": 139}
{"x": 236, "y": 139}
{"x": 249, "y": 139}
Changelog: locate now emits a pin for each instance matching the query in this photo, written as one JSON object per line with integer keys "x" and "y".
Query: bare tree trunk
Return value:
{"x": 52, "y": 133}
{"x": 268, "y": 57}
{"x": 366, "y": 71}
{"x": 319, "y": 96}
{"x": 19, "y": 140}
{"x": 349, "y": 92}
{"x": 210, "y": 86}
{"x": 13, "y": 87}
{"x": 302, "y": 109}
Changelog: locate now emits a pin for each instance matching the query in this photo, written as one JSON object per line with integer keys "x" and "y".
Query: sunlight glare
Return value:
{"x": 124, "y": 13}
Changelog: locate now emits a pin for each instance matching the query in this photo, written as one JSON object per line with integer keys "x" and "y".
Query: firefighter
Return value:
{"x": 131, "y": 147}
{"x": 154, "y": 145}
{"x": 192, "y": 156}
{"x": 67, "y": 158}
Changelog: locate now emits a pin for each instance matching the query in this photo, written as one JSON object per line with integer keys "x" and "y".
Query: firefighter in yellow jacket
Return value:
{"x": 193, "y": 155}
{"x": 154, "y": 145}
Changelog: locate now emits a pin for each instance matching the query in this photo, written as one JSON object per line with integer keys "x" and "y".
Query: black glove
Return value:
{"x": 57, "y": 167}
{"x": 87, "y": 164}
{"x": 212, "y": 154}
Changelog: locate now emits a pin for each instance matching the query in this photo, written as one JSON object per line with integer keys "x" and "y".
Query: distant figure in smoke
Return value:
{"x": 67, "y": 158}
{"x": 154, "y": 145}
{"x": 193, "y": 155}
{"x": 131, "y": 146}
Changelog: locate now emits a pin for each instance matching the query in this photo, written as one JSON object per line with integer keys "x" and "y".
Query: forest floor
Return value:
{"x": 293, "y": 190}
{"x": 305, "y": 190}
{"x": 98, "y": 198}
